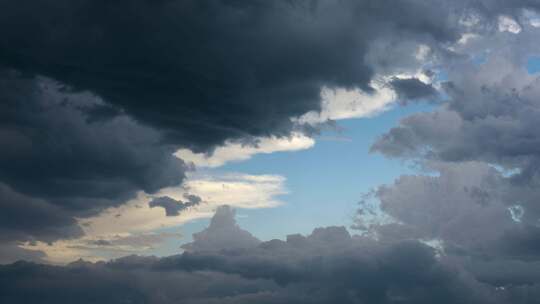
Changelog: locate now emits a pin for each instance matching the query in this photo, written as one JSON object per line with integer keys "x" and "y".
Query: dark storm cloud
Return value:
{"x": 174, "y": 207}
{"x": 57, "y": 164}
{"x": 207, "y": 71}
{"x": 27, "y": 218}
{"x": 328, "y": 266}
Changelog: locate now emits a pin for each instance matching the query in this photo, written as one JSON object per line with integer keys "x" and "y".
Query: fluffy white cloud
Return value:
{"x": 508, "y": 24}
{"x": 235, "y": 151}
{"x": 343, "y": 103}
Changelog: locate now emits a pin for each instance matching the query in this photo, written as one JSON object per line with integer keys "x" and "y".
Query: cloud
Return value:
{"x": 98, "y": 96}
{"x": 223, "y": 233}
{"x": 490, "y": 118}
{"x": 174, "y": 207}
{"x": 412, "y": 88}
{"x": 341, "y": 103}
{"x": 327, "y": 266}
{"x": 46, "y": 221}
{"x": 136, "y": 219}
{"x": 11, "y": 252}
{"x": 238, "y": 190}
{"x": 453, "y": 209}
{"x": 207, "y": 72}
{"x": 456, "y": 206}
{"x": 507, "y": 24}
{"x": 477, "y": 155}
{"x": 225, "y": 264}
{"x": 57, "y": 165}
{"x": 240, "y": 151}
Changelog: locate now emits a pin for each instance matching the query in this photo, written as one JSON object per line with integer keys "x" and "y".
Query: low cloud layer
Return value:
{"x": 328, "y": 266}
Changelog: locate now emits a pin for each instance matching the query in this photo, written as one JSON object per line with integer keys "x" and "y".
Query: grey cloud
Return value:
{"x": 490, "y": 117}
{"x": 457, "y": 206}
{"x": 328, "y": 266}
{"x": 207, "y": 71}
{"x": 28, "y": 218}
{"x": 500, "y": 6}
{"x": 223, "y": 233}
{"x": 103, "y": 92}
{"x": 11, "y": 252}
{"x": 56, "y": 164}
{"x": 412, "y": 89}
{"x": 523, "y": 242}
{"x": 504, "y": 272}
{"x": 121, "y": 245}
{"x": 174, "y": 207}
{"x": 480, "y": 152}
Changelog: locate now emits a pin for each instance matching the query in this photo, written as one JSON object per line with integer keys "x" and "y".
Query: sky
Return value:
{"x": 340, "y": 160}
{"x": 231, "y": 151}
